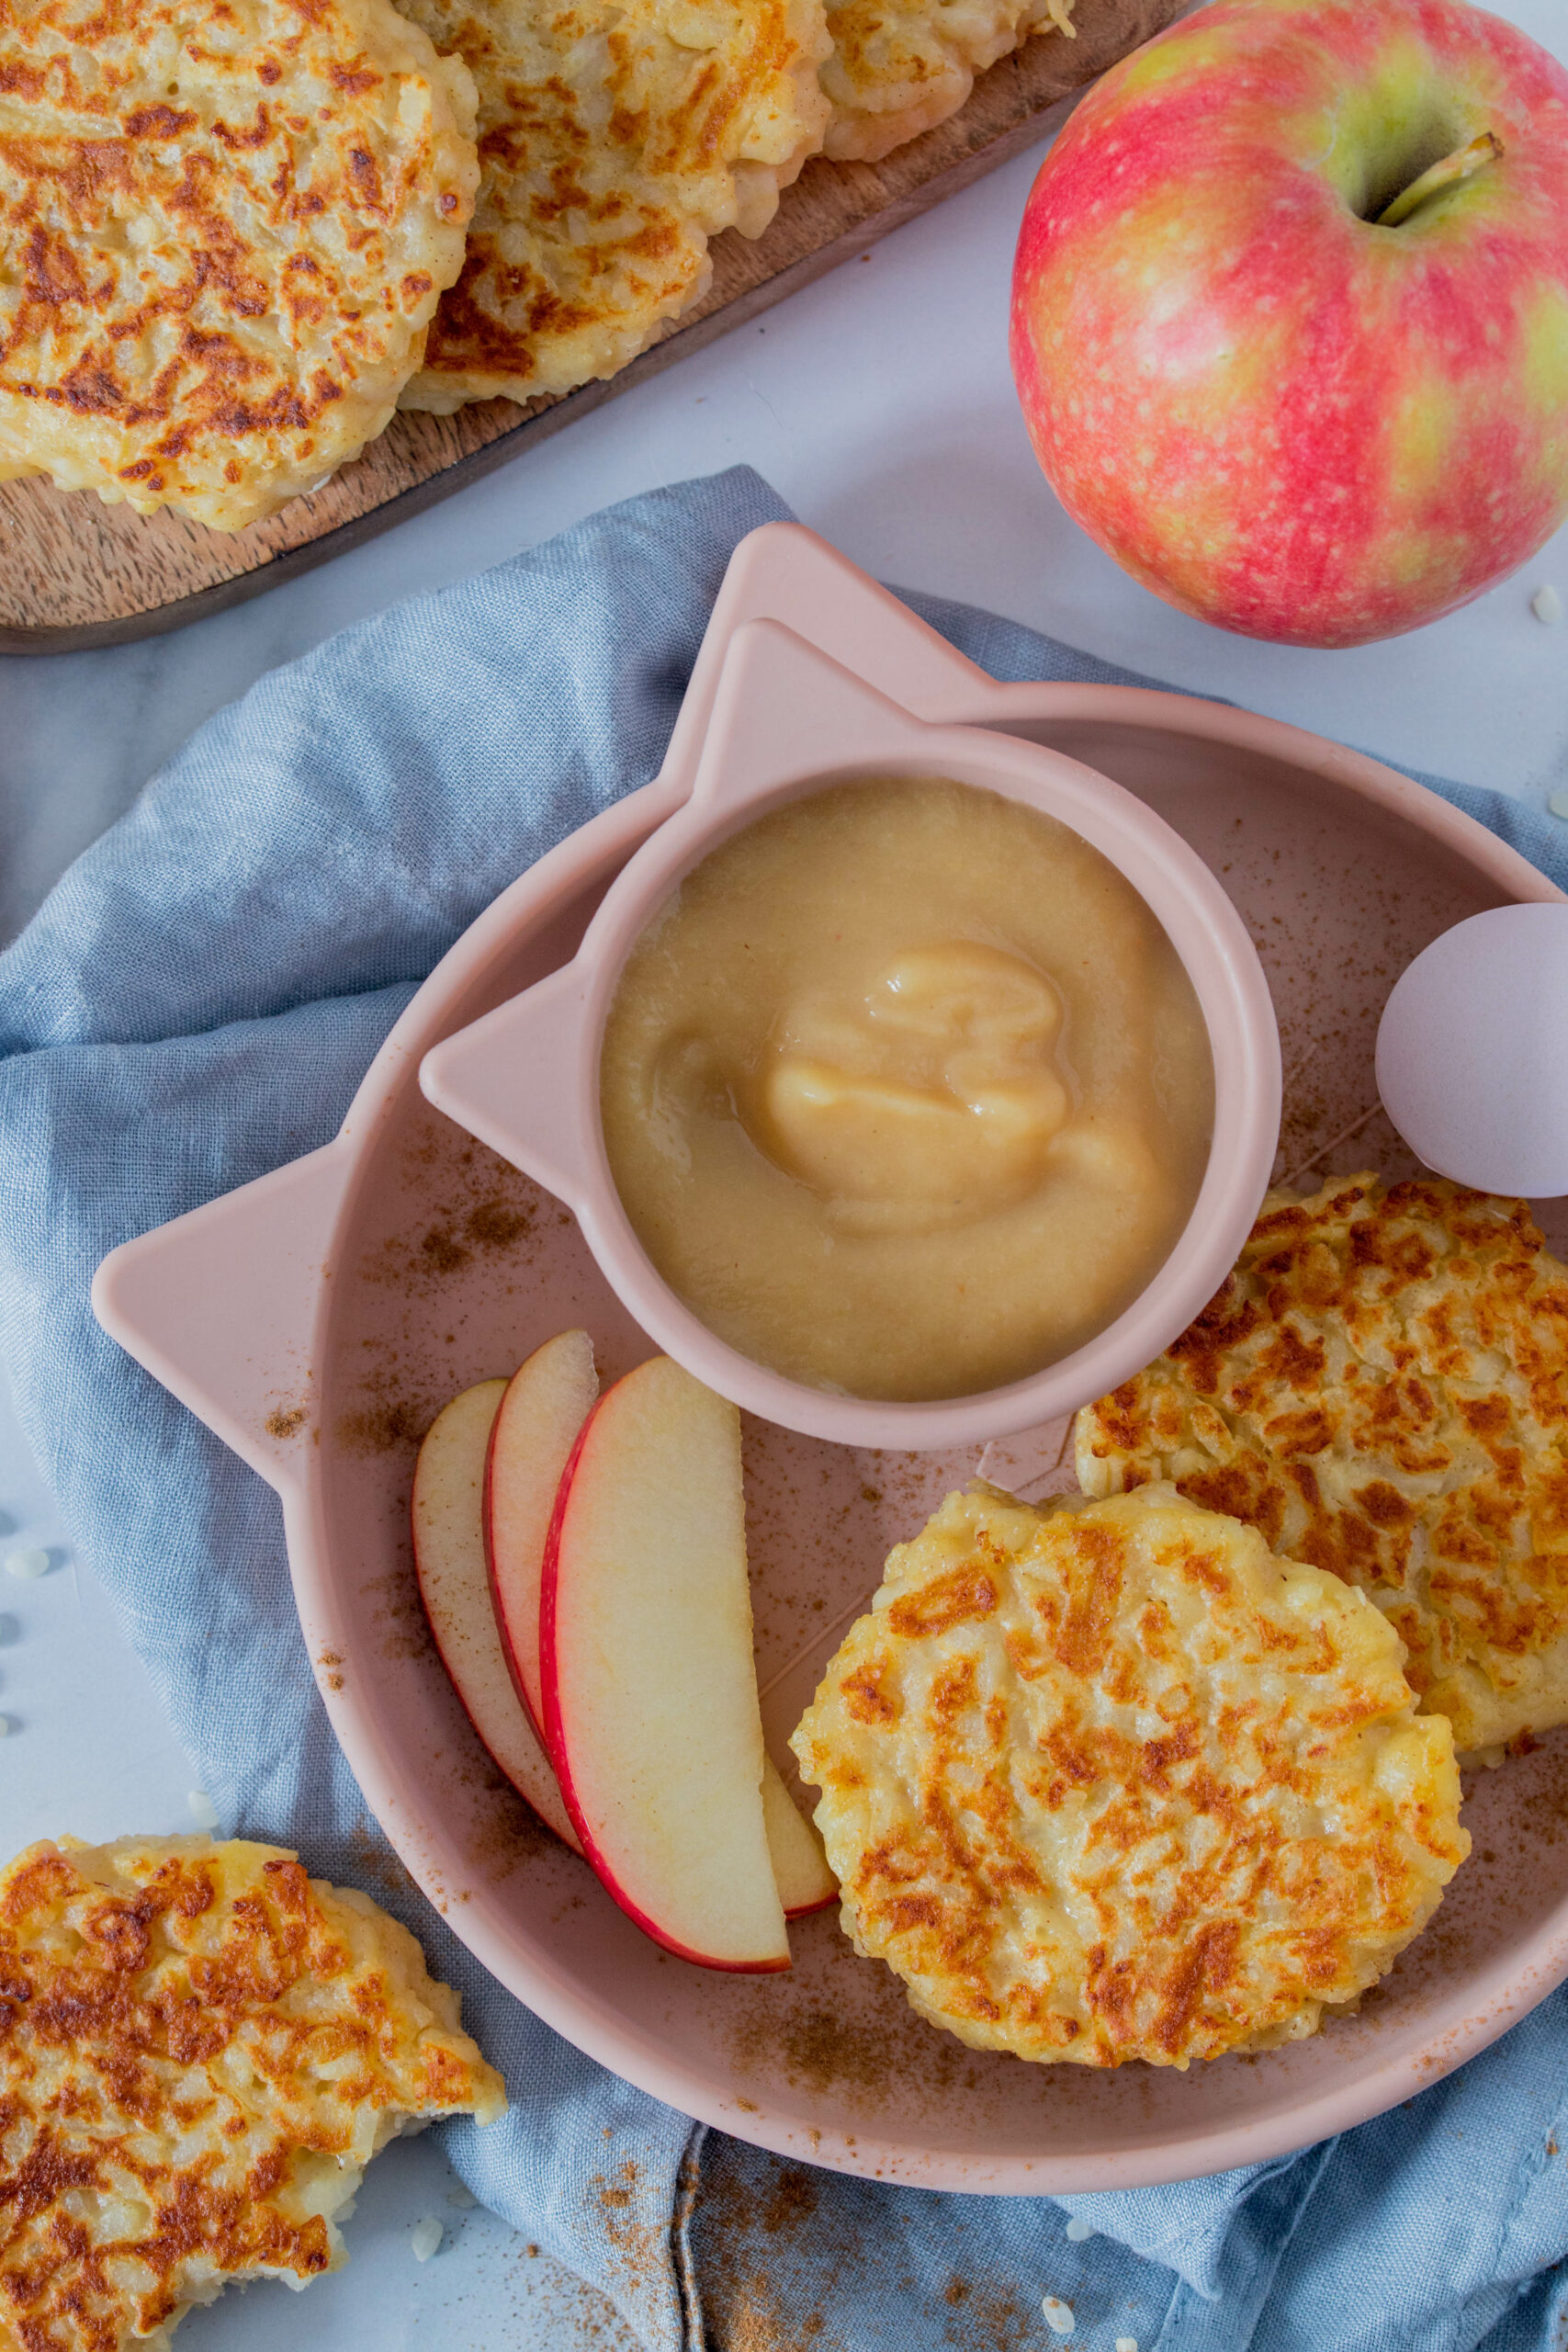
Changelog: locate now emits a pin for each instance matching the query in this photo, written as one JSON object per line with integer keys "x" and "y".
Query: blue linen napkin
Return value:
{"x": 193, "y": 1005}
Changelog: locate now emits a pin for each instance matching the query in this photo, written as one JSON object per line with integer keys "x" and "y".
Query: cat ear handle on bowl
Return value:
{"x": 1472, "y": 1052}
{"x": 517, "y": 1079}
{"x": 782, "y": 572}
{"x": 783, "y": 710}
{"x": 221, "y": 1305}
{"x": 524, "y": 1078}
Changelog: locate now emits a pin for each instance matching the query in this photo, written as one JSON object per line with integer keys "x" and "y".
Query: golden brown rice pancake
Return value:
{"x": 1105, "y": 1781}
{"x": 615, "y": 137}
{"x": 1382, "y": 1387}
{"x": 200, "y": 2051}
{"x": 223, "y": 228}
{"x": 900, "y": 66}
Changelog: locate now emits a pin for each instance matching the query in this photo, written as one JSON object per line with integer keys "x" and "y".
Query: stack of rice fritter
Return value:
{"x": 235, "y": 234}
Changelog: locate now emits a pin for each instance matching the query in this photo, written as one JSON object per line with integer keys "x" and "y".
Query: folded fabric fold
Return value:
{"x": 195, "y": 1004}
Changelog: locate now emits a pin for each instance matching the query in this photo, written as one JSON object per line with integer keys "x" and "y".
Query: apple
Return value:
{"x": 545, "y": 1407}
{"x": 453, "y": 1549}
{"x": 545, "y": 1404}
{"x": 1290, "y": 312}
{"x": 645, "y": 1652}
{"x": 449, "y": 1562}
{"x": 800, "y": 1867}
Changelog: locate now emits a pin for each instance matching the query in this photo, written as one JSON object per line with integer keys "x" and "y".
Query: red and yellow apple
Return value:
{"x": 545, "y": 1404}
{"x": 583, "y": 1564}
{"x": 449, "y": 1561}
{"x": 645, "y": 1656}
{"x": 1290, "y": 318}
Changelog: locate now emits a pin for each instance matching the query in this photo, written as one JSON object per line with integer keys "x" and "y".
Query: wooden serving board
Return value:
{"x": 74, "y": 572}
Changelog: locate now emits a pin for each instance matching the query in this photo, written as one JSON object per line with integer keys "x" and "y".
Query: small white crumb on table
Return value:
{"x": 29, "y": 1562}
{"x": 462, "y": 2195}
{"x": 1058, "y": 2315}
{"x": 1127, "y": 2343}
{"x": 203, "y": 1812}
{"x": 5, "y": 1726}
{"x": 425, "y": 2237}
{"x": 1547, "y": 605}
{"x": 1557, "y": 803}
{"x": 1078, "y": 2230}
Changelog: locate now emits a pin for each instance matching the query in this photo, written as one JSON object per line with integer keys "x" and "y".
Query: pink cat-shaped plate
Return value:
{"x": 318, "y": 1319}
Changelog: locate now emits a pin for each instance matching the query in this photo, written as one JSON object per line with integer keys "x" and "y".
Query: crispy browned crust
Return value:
{"x": 1107, "y": 1781}
{"x": 1382, "y": 1387}
{"x": 223, "y": 228}
{"x": 900, "y": 66}
{"x": 201, "y": 2048}
{"x": 614, "y": 141}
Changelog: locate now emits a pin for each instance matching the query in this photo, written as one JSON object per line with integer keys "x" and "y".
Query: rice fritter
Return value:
{"x": 615, "y": 137}
{"x": 200, "y": 2050}
{"x": 1382, "y": 1388}
{"x": 224, "y": 225}
{"x": 905, "y": 1090}
{"x": 900, "y": 66}
{"x": 1106, "y": 1779}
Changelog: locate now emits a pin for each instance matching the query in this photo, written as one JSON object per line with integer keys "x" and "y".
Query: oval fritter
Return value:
{"x": 900, "y": 66}
{"x": 224, "y": 225}
{"x": 1105, "y": 1781}
{"x": 1382, "y": 1387}
{"x": 615, "y": 137}
{"x": 200, "y": 2050}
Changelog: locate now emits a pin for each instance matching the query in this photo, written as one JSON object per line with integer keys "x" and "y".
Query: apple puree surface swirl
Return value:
{"x": 905, "y": 1090}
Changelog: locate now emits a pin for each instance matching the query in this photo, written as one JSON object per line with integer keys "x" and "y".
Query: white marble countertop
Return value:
{"x": 878, "y": 402}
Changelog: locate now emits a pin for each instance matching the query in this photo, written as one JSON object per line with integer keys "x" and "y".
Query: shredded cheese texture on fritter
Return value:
{"x": 899, "y": 67}
{"x": 1382, "y": 1387}
{"x": 224, "y": 225}
{"x": 1105, "y": 1781}
{"x": 615, "y": 137}
{"x": 200, "y": 2051}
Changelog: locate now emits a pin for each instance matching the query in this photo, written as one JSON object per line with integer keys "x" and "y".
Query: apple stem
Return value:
{"x": 1463, "y": 164}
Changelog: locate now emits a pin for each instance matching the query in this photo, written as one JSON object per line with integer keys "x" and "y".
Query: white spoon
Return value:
{"x": 1472, "y": 1052}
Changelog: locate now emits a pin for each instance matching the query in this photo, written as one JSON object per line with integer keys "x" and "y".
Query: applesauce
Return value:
{"x": 904, "y": 1090}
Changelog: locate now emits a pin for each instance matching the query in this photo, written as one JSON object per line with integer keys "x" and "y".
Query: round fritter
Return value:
{"x": 615, "y": 137}
{"x": 900, "y": 66}
{"x": 1382, "y": 1387}
{"x": 1105, "y": 1781}
{"x": 200, "y": 2051}
{"x": 224, "y": 225}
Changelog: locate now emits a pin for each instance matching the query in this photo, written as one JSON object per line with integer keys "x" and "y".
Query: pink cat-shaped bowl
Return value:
{"x": 788, "y": 721}
{"x": 319, "y": 1318}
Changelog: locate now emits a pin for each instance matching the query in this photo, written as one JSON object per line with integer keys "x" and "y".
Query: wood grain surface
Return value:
{"x": 75, "y": 572}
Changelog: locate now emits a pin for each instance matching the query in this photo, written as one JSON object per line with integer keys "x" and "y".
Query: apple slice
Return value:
{"x": 545, "y": 1405}
{"x": 651, "y": 1692}
{"x": 449, "y": 1561}
{"x": 800, "y": 1867}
